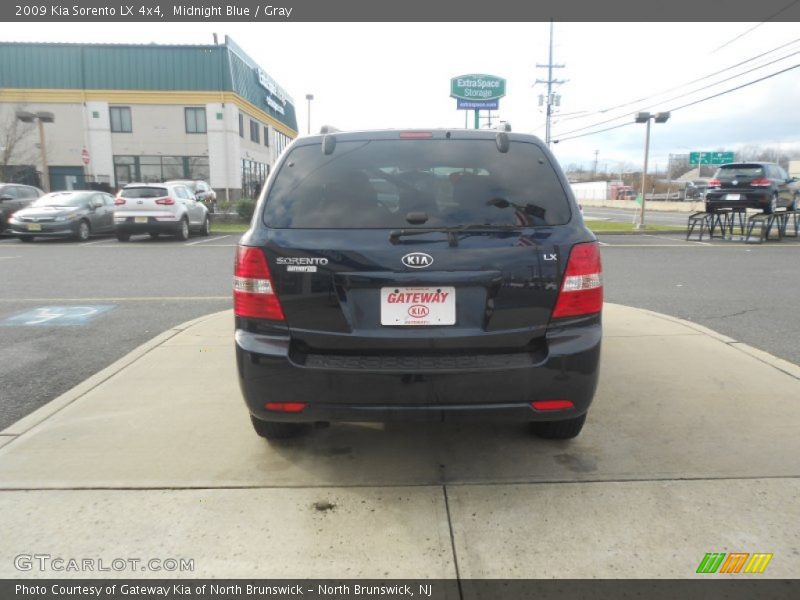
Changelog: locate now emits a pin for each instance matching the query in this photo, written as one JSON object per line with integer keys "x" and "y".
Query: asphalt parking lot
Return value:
{"x": 145, "y": 287}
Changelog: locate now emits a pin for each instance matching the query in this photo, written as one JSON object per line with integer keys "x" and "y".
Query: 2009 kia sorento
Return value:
{"x": 418, "y": 275}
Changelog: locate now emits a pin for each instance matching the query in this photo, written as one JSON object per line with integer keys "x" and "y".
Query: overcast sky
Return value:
{"x": 397, "y": 75}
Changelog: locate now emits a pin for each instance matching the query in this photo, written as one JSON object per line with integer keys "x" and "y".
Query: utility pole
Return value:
{"x": 594, "y": 168}
{"x": 552, "y": 99}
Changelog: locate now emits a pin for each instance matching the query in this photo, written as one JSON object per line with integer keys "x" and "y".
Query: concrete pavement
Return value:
{"x": 691, "y": 447}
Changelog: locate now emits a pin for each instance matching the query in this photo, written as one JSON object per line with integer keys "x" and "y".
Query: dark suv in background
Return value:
{"x": 760, "y": 185}
{"x": 13, "y": 197}
{"x": 418, "y": 275}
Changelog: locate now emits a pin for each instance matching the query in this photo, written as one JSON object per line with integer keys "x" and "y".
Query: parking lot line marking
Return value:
{"x": 2, "y": 257}
{"x": 120, "y": 299}
{"x": 207, "y": 240}
{"x": 94, "y": 242}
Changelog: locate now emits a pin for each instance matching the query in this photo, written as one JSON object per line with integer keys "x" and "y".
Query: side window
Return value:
{"x": 26, "y": 192}
{"x": 195, "y": 120}
{"x": 782, "y": 174}
{"x": 9, "y": 190}
{"x": 241, "y": 125}
{"x": 108, "y": 200}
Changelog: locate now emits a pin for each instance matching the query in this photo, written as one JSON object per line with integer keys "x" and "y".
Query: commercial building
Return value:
{"x": 124, "y": 113}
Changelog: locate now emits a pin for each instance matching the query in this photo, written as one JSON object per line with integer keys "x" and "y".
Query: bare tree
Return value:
{"x": 13, "y": 149}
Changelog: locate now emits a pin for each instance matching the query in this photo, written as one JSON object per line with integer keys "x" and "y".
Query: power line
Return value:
{"x": 741, "y": 35}
{"x": 677, "y": 108}
{"x": 699, "y": 79}
{"x": 679, "y": 96}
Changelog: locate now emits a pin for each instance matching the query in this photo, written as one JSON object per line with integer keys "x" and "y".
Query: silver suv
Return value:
{"x": 156, "y": 208}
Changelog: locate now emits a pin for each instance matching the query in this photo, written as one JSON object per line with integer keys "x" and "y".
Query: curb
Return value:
{"x": 780, "y": 364}
{"x": 43, "y": 413}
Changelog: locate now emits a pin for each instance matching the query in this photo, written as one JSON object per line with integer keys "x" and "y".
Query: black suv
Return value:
{"x": 760, "y": 185}
{"x": 418, "y": 275}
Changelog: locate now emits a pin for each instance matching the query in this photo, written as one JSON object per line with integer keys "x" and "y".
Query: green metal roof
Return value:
{"x": 223, "y": 67}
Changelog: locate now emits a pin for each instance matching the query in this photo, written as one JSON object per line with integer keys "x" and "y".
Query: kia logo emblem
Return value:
{"x": 417, "y": 260}
{"x": 418, "y": 311}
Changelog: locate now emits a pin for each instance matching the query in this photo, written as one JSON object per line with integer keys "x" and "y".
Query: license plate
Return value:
{"x": 733, "y": 196}
{"x": 418, "y": 306}
{"x": 140, "y": 219}
{"x": 34, "y": 227}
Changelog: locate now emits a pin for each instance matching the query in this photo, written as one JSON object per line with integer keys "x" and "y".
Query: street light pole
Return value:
{"x": 41, "y": 117}
{"x": 645, "y": 117}
{"x": 309, "y": 97}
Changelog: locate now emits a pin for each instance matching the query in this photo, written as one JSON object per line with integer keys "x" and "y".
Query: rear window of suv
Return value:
{"x": 732, "y": 171}
{"x": 378, "y": 183}
{"x": 144, "y": 192}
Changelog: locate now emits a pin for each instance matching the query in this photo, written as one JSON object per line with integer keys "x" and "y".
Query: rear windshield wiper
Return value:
{"x": 452, "y": 232}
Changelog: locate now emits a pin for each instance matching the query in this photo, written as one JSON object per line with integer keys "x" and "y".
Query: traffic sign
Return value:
{"x": 85, "y": 156}
{"x": 710, "y": 158}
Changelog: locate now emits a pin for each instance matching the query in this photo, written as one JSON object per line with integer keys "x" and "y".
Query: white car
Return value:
{"x": 157, "y": 208}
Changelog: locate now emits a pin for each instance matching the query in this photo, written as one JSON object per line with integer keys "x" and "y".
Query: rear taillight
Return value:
{"x": 118, "y": 200}
{"x": 253, "y": 292}
{"x": 761, "y": 182}
{"x": 714, "y": 183}
{"x": 165, "y": 201}
{"x": 582, "y": 290}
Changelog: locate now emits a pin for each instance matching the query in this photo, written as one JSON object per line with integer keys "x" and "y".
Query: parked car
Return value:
{"x": 76, "y": 214}
{"x": 13, "y": 197}
{"x": 156, "y": 208}
{"x": 696, "y": 190}
{"x": 760, "y": 185}
{"x": 475, "y": 290}
{"x": 201, "y": 190}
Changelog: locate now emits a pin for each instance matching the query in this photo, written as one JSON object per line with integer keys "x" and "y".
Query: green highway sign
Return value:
{"x": 710, "y": 158}
{"x": 477, "y": 87}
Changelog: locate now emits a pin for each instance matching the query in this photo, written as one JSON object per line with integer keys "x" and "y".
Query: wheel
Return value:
{"x": 26, "y": 238}
{"x": 276, "y": 430}
{"x": 206, "y": 228}
{"x": 153, "y": 235}
{"x": 83, "y": 231}
{"x": 183, "y": 230}
{"x": 773, "y": 205}
{"x": 565, "y": 429}
{"x": 123, "y": 236}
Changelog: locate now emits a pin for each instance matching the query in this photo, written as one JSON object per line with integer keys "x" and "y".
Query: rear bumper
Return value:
{"x": 130, "y": 226}
{"x": 464, "y": 387}
{"x": 759, "y": 200}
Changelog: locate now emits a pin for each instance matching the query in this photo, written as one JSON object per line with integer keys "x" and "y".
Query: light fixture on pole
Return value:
{"x": 309, "y": 97}
{"x": 646, "y": 117}
{"x": 41, "y": 117}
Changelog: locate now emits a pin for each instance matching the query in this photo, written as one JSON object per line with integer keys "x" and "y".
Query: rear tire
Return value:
{"x": 276, "y": 430}
{"x": 26, "y": 238}
{"x": 773, "y": 205}
{"x": 183, "y": 230}
{"x": 123, "y": 237}
{"x": 205, "y": 230}
{"x": 83, "y": 232}
{"x": 565, "y": 429}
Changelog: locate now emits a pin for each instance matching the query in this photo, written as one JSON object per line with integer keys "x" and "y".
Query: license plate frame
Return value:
{"x": 418, "y": 306}
{"x": 140, "y": 219}
{"x": 733, "y": 196}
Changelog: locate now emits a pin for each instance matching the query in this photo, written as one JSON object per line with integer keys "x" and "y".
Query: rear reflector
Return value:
{"x": 415, "y": 135}
{"x": 253, "y": 293}
{"x": 552, "y": 405}
{"x": 582, "y": 290}
{"x": 288, "y": 407}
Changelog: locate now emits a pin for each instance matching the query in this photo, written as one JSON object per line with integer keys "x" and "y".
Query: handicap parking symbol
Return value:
{"x": 57, "y": 316}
